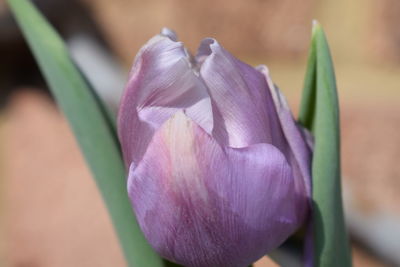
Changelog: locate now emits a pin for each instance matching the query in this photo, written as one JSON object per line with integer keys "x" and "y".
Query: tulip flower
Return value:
{"x": 219, "y": 171}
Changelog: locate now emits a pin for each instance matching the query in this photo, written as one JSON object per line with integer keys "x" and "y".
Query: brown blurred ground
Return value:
{"x": 52, "y": 213}
{"x": 363, "y": 30}
{"x": 256, "y": 27}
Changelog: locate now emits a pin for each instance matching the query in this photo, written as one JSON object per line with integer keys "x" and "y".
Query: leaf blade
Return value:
{"x": 91, "y": 127}
{"x": 319, "y": 112}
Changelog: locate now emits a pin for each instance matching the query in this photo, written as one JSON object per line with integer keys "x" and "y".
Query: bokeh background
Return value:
{"x": 51, "y": 214}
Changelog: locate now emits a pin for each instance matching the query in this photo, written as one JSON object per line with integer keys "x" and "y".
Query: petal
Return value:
{"x": 201, "y": 204}
{"x": 160, "y": 83}
{"x": 298, "y": 139}
{"x": 169, "y": 33}
{"x": 241, "y": 95}
{"x": 204, "y": 50}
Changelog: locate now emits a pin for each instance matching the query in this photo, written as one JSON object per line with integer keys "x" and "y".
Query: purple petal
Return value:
{"x": 298, "y": 139}
{"x": 241, "y": 95}
{"x": 160, "y": 83}
{"x": 201, "y": 204}
{"x": 169, "y": 33}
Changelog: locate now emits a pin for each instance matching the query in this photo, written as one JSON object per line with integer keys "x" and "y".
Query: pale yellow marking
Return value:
{"x": 179, "y": 138}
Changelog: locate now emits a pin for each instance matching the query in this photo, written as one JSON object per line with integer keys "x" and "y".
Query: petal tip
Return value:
{"x": 167, "y": 32}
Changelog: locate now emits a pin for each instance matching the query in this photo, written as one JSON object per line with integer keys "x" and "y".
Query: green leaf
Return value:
{"x": 91, "y": 126}
{"x": 319, "y": 112}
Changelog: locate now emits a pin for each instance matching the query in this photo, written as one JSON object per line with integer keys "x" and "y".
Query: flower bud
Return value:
{"x": 219, "y": 171}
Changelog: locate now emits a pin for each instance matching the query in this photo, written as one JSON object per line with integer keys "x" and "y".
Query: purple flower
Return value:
{"x": 219, "y": 172}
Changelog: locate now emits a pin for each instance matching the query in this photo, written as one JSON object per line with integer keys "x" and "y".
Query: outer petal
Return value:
{"x": 169, "y": 33}
{"x": 160, "y": 83}
{"x": 299, "y": 141}
{"x": 200, "y": 204}
{"x": 241, "y": 95}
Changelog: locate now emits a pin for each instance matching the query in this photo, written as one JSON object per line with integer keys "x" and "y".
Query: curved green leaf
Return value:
{"x": 91, "y": 126}
{"x": 319, "y": 112}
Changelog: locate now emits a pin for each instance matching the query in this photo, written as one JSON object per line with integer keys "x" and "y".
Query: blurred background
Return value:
{"x": 50, "y": 211}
